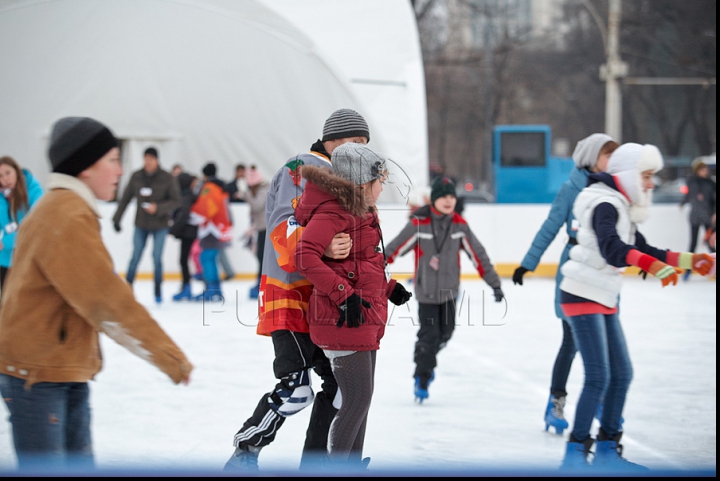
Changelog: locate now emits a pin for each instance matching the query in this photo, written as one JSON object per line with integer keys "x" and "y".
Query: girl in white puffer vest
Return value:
{"x": 608, "y": 211}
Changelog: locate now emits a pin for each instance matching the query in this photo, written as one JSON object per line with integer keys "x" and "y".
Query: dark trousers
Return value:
{"x": 185, "y": 246}
{"x": 259, "y": 251}
{"x": 437, "y": 323}
{"x": 50, "y": 423}
{"x": 695, "y": 234}
{"x": 563, "y": 362}
{"x": 294, "y": 352}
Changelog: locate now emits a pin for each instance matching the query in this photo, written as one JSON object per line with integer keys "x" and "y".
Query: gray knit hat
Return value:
{"x": 587, "y": 150}
{"x": 357, "y": 163}
{"x": 345, "y": 123}
{"x": 76, "y": 143}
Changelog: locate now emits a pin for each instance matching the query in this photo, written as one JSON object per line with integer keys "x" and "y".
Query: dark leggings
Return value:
{"x": 185, "y": 246}
{"x": 355, "y": 375}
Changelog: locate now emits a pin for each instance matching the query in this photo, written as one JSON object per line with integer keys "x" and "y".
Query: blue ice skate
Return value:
{"x": 576, "y": 456}
{"x": 211, "y": 294}
{"x": 554, "y": 415}
{"x": 608, "y": 456}
{"x": 184, "y": 294}
{"x": 421, "y": 387}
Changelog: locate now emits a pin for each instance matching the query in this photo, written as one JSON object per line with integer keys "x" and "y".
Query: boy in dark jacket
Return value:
{"x": 437, "y": 234}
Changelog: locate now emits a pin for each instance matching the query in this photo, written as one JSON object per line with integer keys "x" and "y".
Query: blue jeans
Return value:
{"x": 608, "y": 372}
{"x": 50, "y": 423}
{"x": 139, "y": 240}
{"x": 208, "y": 259}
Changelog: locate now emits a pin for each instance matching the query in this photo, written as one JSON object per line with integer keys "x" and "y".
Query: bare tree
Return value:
{"x": 482, "y": 70}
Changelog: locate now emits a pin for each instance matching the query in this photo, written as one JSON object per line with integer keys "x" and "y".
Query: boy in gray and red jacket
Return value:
{"x": 437, "y": 234}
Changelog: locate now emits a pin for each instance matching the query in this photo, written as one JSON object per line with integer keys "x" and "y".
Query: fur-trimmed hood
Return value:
{"x": 350, "y": 196}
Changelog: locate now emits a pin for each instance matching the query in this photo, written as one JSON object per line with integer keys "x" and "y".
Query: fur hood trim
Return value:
{"x": 349, "y": 195}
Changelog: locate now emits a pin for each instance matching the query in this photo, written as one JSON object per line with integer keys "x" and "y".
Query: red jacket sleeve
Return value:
{"x": 316, "y": 237}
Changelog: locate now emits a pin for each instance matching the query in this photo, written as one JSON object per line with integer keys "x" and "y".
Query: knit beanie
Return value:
{"x": 76, "y": 143}
{"x": 587, "y": 150}
{"x": 209, "y": 170}
{"x": 357, "y": 163}
{"x": 345, "y": 123}
{"x": 441, "y": 187}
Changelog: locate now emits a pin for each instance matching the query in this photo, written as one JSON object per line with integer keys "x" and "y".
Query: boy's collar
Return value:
{"x": 69, "y": 182}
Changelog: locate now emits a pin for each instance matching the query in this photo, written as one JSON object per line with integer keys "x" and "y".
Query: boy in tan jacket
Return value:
{"x": 62, "y": 293}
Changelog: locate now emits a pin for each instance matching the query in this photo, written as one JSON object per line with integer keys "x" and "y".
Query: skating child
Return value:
{"x": 347, "y": 311}
{"x": 437, "y": 234}
{"x": 210, "y": 213}
{"x": 608, "y": 211}
{"x": 591, "y": 155}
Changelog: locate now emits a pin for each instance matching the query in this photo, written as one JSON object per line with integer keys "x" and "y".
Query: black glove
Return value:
{"x": 399, "y": 295}
{"x": 643, "y": 274}
{"x": 116, "y": 225}
{"x": 351, "y": 312}
{"x": 518, "y": 275}
{"x": 498, "y": 293}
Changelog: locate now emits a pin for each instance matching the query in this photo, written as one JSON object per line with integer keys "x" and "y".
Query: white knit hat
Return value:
{"x": 627, "y": 164}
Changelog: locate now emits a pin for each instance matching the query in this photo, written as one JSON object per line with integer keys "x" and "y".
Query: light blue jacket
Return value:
{"x": 34, "y": 191}
{"x": 560, "y": 213}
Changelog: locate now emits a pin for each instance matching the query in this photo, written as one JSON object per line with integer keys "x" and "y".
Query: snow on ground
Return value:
{"x": 486, "y": 405}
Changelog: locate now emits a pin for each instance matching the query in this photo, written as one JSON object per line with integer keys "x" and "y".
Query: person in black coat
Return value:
{"x": 701, "y": 197}
{"x": 184, "y": 231}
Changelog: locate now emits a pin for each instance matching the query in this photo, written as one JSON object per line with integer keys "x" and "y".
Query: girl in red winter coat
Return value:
{"x": 348, "y": 306}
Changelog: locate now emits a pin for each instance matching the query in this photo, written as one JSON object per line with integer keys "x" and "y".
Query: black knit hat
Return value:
{"x": 441, "y": 187}
{"x": 209, "y": 170}
{"x": 345, "y": 123}
{"x": 76, "y": 143}
{"x": 151, "y": 151}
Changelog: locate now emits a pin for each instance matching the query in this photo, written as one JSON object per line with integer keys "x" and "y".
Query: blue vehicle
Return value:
{"x": 525, "y": 172}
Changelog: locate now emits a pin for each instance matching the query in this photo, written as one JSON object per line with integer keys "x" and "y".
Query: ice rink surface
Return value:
{"x": 486, "y": 405}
